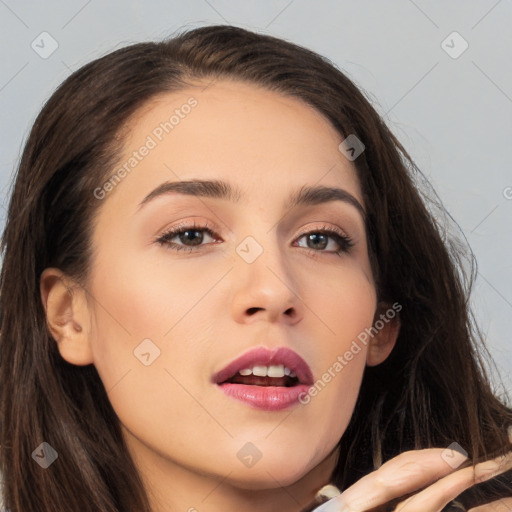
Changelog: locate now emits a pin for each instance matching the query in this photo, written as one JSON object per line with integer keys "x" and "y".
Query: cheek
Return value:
{"x": 345, "y": 308}
{"x": 141, "y": 352}
{"x": 129, "y": 309}
{"x": 147, "y": 294}
{"x": 148, "y": 328}
{"x": 343, "y": 302}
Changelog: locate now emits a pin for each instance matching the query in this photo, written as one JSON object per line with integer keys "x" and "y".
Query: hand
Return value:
{"x": 419, "y": 480}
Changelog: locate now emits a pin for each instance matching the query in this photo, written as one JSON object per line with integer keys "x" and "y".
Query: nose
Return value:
{"x": 265, "y": 290}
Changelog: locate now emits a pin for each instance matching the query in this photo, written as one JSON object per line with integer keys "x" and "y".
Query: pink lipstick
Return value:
{"x": 269, "y": 380}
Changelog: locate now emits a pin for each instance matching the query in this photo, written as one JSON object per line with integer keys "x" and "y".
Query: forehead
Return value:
{"x": 235, "y": 131}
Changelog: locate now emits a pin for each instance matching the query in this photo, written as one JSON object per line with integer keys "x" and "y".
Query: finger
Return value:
{"x": 405, "y": 473}
{"x": 439, "y": 494}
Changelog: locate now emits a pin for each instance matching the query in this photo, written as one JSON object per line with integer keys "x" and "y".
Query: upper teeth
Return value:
{"x": 268, "y": 371}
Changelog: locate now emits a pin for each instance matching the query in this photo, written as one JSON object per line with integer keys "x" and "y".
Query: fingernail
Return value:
{"x": 491, "y": 468}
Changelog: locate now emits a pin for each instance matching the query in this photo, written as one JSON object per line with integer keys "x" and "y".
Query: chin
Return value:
{"x": 262, "y": 480}
{"x": 274, "y": 472}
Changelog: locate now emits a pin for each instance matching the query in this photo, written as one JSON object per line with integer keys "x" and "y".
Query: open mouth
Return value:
{"x": 268, "y": 380}
{"x": 280, "y": 368}
{"x": 277, "y": 375}
{"x": 253, "y": 380}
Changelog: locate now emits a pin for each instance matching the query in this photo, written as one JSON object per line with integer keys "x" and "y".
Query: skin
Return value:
{"x": 415, "y": 470}
{"x": 198, "y": 307}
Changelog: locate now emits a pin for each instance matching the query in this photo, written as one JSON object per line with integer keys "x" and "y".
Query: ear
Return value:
{"x": 385, "y": 329}
{"x": 67, "y": 316}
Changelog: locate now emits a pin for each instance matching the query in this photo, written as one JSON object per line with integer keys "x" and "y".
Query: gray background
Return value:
{"x": 454, "y": 115}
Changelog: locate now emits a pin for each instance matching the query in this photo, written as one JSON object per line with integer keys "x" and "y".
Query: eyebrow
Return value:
{"x": 218, "y": 189}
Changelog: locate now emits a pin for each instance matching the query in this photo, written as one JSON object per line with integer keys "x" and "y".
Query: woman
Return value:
{"x": 313, "y": 331}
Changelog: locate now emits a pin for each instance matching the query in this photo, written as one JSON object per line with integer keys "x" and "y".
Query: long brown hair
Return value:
{"x": 431, "y": 391}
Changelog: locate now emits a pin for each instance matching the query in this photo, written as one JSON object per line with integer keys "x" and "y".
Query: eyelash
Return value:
{"x": 344, "y": 241}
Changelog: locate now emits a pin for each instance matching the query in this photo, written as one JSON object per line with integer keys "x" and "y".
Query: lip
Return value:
{"x": 267, "y": 398}
{"x": 266, "y": 357}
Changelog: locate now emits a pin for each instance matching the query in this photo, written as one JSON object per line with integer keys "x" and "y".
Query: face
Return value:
{"x": 181, "y": 285}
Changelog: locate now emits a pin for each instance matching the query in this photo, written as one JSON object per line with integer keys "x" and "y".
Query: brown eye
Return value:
{"x": 189, "y": 237}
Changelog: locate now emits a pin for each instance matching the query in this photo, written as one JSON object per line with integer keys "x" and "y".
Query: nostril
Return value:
{"x": 253, "y": 310}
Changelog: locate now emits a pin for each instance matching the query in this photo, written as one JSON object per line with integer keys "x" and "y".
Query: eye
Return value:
{"x": 190, "y": 236}
{"x": 318, "y": 240}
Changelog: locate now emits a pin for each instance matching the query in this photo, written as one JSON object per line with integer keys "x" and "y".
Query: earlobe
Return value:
{"x": 67, "y": 316}
{"x": 386, "y": 326}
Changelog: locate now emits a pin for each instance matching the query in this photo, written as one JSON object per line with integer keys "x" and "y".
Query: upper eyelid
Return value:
{"x": 213, "y": 229}
{"x": 324, "y": 227}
